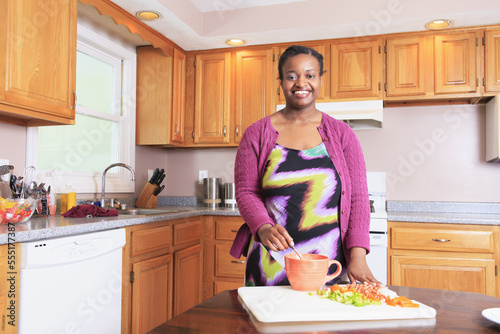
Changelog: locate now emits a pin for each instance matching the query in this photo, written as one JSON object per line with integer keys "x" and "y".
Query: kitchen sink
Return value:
{"x": 147, "y": 212}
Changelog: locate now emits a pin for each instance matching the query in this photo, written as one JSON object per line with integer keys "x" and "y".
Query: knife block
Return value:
{"x": 147, "y": 199}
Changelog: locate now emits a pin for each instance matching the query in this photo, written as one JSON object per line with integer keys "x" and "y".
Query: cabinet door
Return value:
{"x": 38, "y": 59}
{"x": 321, "y": 48}
{"x": 154, "y": 96}
{"x": 455, "y": 63}
{"x": 356, "y": 69}
{"x": 211, "y": 111}
{"x": 178, "y": 97}
{"x": 406, "y": 66}
{"x": 492, "y": 61}
{"x": 253, "y": 96}
{"x": 464, "y": 274}
{"x": 188, "y": 278}
{"x": 152, "y": 293}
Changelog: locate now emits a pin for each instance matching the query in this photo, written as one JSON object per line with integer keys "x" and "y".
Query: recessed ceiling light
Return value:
{"x": 438, "y": 24}
{"x": 235, "y": 42}
{"x": 148, "y": 15}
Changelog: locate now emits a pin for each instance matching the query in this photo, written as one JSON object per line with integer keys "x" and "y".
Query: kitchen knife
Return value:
{"x": 159, "y": 190}
{"x": 160, "y": 180}
{"x": 155, "y": 176}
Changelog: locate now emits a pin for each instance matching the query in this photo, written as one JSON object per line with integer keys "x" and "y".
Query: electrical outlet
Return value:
{"x": 150, "y": 173}
{"x": 201, "y": 175}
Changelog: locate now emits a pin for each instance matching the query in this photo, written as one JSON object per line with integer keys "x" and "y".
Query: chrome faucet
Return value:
{"x": 104, "y": 177}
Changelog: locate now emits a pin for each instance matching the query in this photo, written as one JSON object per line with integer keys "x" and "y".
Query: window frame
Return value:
{"x": 118, "y": 180}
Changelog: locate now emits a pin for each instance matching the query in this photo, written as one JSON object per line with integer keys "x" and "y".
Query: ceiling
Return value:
{"x": 207, "y": 24}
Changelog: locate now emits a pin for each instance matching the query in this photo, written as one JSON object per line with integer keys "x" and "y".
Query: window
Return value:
{"x": 104, "y": 130}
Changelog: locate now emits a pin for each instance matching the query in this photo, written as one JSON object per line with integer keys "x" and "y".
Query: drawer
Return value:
{"x": 226, "y": 229}
{"x": 148, "y": 240}
{"x": 187, "y": 232}
{"x": 226, "y": 265}
{"x": 220, "y": 286}
{"x": 442, "y": 240}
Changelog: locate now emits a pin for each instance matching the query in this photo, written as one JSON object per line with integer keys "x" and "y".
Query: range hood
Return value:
{"x": 358, "y": 114}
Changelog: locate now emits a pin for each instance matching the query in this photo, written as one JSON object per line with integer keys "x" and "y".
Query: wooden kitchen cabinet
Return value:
{"x": 162, "y": 272}
{"x": 38, "y": 62}
{"x": 178, "y": 97}
{"x": 160, "y": 108}
{"x": 492, "y": 61}
{"x": 444, "y": 256}
{"x": 436, "y": 66}
{"x": 212, "y": 98}
{"x": 221, "y": 270}
{"x": 456, "y": 57}
{"x": 356, "y": 69}
{"x": 408, "y": 65}
{"x": 253, "y": 88}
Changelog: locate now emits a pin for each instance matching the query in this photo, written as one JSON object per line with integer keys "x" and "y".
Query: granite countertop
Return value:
{"x": 46, "y": 227}
{"x": 444, "y": 212}
{"x": 40, "y": 228}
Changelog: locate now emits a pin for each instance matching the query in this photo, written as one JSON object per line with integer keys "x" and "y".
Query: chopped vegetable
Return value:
{"x": 362, "y": 295}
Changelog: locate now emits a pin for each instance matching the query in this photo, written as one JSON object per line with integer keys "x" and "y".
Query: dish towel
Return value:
{"x": 89, "y": 210}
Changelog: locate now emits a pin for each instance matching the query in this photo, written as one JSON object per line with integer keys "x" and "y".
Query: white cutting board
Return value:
{"x": 271, "y": 304}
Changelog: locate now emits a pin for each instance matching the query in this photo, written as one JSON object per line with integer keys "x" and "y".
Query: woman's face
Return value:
{"x": 301, "y": 81}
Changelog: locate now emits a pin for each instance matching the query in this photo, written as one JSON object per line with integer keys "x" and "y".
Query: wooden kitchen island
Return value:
{"x": 457, "y": 312}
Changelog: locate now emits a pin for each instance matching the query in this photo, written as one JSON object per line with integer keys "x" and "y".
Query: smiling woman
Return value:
{"x": 104, "y": 130}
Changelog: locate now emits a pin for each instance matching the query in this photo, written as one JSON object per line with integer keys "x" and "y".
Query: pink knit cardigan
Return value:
{"x": 345, "y": 151}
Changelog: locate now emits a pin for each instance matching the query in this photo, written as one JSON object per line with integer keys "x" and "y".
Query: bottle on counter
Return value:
{"x": 68, "y": 198}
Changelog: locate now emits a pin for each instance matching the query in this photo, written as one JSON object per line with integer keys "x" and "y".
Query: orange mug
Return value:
{"x": 310, "y": 273}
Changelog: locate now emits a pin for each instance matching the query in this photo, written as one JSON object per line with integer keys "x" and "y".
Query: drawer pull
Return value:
{"x": 235, "y": 231}
{"x": 234, "y": 261}
{"x": 441, "y": 240}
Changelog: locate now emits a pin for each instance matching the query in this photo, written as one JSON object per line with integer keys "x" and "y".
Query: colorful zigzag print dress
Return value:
{"x": 301, "y": 191}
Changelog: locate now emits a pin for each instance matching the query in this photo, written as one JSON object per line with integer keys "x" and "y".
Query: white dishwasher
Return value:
{"x": 72, "y": 284}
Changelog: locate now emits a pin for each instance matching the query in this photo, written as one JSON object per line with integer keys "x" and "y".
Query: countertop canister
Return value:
{"x": 211, "y": 191}
{"x": 229, "y": 195}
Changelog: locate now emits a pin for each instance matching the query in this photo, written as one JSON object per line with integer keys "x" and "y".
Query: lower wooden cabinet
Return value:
{"x": 444, "y": 256}
{"x": 162, "y": 272}
{"x": 222, "y": 271}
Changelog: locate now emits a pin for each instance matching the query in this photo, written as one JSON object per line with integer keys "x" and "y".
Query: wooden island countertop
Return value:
{"x": 457, "y": 312}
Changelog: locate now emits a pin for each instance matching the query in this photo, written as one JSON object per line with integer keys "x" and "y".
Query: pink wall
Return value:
{"x": 429, "y": 154}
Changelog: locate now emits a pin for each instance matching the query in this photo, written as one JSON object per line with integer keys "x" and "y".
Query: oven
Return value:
{"x": 377, "y": 258}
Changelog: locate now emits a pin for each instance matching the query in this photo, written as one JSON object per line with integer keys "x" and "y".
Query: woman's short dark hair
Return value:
{"x": 295, "y": 50}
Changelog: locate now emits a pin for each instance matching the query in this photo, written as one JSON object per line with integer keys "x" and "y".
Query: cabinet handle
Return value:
{"x": 176, "y": 129}
{"x": 441, "y": 240}
{"x": 74, "y": 104}
{"x": 235, "y": 231}
{"x": 237, "y": 130}
{"x": 225, "y": 130}
{"x": 233, "y": 261}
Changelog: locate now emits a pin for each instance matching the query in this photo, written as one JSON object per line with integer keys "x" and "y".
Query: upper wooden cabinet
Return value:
{"x": 212, "y": 98}
{"x": 37, "y": 62}
{"x": 178, "y": 97}
{"x": 160, "y": 107}
{"x": 433, "y": 66}
{"x": 356, "y": 69}
{"x": 456, "y": 64}
{"x": 492, "y": 61}
{"x": 253, "y": 88}
{"x": 407, "y": 65}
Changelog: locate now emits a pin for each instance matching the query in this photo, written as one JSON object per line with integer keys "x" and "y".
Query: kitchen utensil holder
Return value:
{"x": 147, "y": 198}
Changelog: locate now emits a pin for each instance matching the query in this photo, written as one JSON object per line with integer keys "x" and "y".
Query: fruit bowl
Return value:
{"x": 16, "y": 210}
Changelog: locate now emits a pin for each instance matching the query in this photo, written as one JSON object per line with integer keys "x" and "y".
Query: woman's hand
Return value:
{"x": 358, "y": 270}
{"x": 274, "y": 237}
